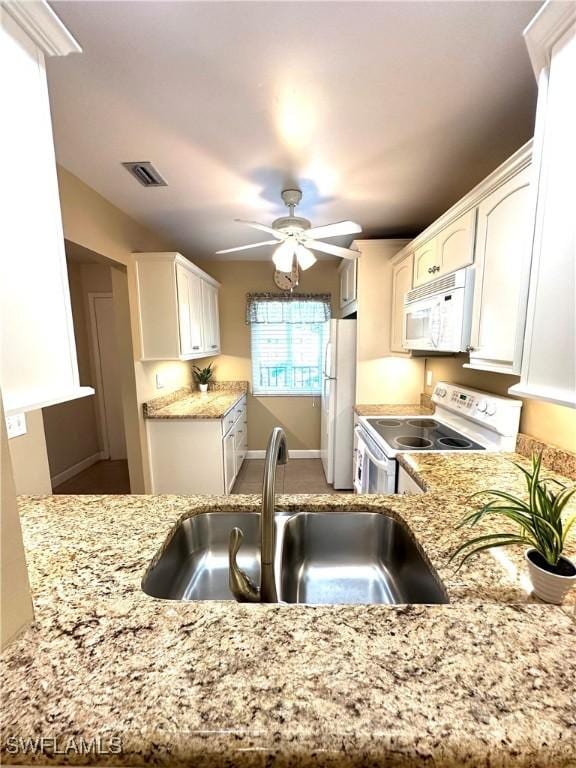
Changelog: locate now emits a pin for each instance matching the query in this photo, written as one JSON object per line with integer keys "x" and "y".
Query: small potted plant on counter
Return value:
{"x": 541, "y": 528}
{"x": 203, "y": 376}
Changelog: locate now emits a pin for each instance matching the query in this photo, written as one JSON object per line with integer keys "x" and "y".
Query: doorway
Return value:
{"x": 86, "y": 438}
{"x": 106, "y": 369}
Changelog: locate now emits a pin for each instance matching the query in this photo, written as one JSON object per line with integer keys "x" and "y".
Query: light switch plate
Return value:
{"x": 16, "y": 425}
{"x": 160, "y": 384}
{"x": 428, "y": 378}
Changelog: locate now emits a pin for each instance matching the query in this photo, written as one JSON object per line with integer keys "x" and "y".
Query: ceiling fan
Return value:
{"x": 296, "y": 238}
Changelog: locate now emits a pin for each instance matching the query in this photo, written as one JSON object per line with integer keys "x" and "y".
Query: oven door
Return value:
{"x": 374, "y": 472}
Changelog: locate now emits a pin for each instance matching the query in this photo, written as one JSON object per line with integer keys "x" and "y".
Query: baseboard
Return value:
{"x": 75, "y": 469}
{"x": 312, "y": 454}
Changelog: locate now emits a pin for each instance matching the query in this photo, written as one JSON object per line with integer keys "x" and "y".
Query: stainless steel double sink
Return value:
{"x": 320, "y": 558}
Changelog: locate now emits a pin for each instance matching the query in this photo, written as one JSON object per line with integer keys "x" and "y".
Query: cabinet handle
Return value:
{"x": 430, "y": 270}
{"x": 240, "y": 431}
{"x": 214, "y": 346}
{"x": 471, "y": 349}
{"x": 196, "y": 347}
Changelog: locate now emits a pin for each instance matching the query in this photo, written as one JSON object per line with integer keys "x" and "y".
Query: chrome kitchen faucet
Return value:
{"x": 241, "y": 585}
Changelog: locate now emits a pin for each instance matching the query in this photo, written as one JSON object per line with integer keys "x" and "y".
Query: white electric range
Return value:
{"x": 464, "y": 420}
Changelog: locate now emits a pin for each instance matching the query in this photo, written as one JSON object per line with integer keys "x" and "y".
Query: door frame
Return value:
{"x": 97, "y": 365}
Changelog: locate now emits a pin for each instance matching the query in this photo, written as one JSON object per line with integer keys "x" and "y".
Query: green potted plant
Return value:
{"x": 541, "y": 529}
{"x": 203, "y": 376}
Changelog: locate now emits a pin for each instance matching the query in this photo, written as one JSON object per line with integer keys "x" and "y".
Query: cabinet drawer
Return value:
{"x": 235, "y": 415}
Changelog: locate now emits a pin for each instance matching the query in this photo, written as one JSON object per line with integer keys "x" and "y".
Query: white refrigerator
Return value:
{"x": 338, "y": 395}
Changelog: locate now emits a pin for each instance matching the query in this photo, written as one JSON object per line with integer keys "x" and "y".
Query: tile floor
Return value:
{"x": 297, "y": 476}
{"x": 102, "y": 477}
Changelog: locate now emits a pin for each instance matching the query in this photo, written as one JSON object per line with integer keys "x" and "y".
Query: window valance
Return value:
{"x": 287, "y": 308}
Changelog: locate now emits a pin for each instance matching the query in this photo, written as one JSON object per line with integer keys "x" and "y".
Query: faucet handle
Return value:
{"x": 241, "y": 585}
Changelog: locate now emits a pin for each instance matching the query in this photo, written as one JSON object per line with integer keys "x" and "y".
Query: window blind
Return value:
{"x": 288, "y": 356}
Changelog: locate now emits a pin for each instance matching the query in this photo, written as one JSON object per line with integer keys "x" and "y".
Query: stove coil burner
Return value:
{"x": 423, "y": 423}
{"x": 454, "y": 442}
{"x": 389, "y": 423}
{"x": 412, "y": 441}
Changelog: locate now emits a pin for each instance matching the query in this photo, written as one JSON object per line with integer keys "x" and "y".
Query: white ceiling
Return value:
{"x": 383, "y": 112}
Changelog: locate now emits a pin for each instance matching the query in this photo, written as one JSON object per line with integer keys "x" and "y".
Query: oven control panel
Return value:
{"x": 502, "y": 414}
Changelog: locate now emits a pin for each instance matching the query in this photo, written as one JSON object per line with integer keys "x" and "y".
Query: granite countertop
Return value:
{"x": 485, "y": 680}
{"x": 393, "y": 410}
{"x": 186, "y": 403}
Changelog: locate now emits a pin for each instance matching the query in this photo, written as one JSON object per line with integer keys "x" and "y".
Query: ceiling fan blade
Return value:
{"x": 334, "y": 230}
{"x": 262, "y": 227}
{"x": 246, "y": 247}
{"x": 333, "y": 250}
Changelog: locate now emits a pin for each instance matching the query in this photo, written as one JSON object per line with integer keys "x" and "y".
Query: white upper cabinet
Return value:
{"x": 210, "y": 318}
{"x": 549, "y": 360}
{"x": 348, "y": 285}
{"x": 178, "y": 308}
{"x": 501, "y": 279}
{"x": 456, "y": 243}
{"x": 401, "y": 284}
{"x": 426, "y": 264}
{"x": 190, "y": 311}
{"x": 38, "y": 363}
{"x": 451, "y": 249}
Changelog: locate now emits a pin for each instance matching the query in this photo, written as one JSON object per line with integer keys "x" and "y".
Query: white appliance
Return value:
{"x": 438, "y": 315}
{"x": 464, "y": 420}
{"x": 338, "y": 395}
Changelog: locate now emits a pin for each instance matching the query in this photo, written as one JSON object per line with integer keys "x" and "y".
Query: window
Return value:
{"x": 289, "y": 339}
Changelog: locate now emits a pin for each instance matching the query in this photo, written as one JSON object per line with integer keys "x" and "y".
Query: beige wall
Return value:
{"x": 545, "y": 421}
{"x": 380, "y": 377}
{"x": 93, "y": 223}
{"x": 16, "y": 603}
{"x": 299, "y": 416}
{"x": 30, "y": 459}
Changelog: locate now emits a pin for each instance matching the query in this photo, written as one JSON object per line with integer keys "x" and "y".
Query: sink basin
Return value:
{"x": 362, "y": 557}
{"x": 321, "y": 557}
{"x": 194, "y": 565}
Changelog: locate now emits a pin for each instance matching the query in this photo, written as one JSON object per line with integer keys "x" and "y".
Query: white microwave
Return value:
{"x": 438, "y": 315}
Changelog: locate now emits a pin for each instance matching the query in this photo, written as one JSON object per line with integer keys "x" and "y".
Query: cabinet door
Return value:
{"x": 239, "y": 444}
{"x": 549, "y": 361}
{"x": 189, "y": 288}
{"x": 210, "y": 318}
{"x": 502, "y": 264}
{"x": 456, "y": 244}
{"x": 426, "y": 266}
{"x": 401, "y": 284}
{"x": 229, "y": 447}
{"x": 348, "y": 283}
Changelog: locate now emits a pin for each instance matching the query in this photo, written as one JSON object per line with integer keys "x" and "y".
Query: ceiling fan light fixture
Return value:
{"x": 305, "y": 257}
{"x": 284, "y": 256}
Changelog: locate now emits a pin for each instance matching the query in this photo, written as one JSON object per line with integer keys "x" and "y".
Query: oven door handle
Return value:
{"x": 382, "y": 464}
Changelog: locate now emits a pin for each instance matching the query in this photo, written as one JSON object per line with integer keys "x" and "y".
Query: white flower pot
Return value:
{"x": 203, "y": 387}
{"x": 548, "y": 586}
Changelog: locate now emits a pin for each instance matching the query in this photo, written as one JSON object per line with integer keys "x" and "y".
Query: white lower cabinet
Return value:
{"x": 198, "y": 456}
{"x": 407, "y": 484}
{"x": 501, "y": 279}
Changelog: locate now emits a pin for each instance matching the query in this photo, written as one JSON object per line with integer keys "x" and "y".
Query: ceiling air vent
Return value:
{"x": 146, "y": 174}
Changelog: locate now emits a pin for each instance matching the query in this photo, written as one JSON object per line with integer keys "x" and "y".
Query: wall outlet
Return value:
{"x": 160, "y": 381}
{"x": 428, "y": 378}
{"x": 16, "y": 425}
